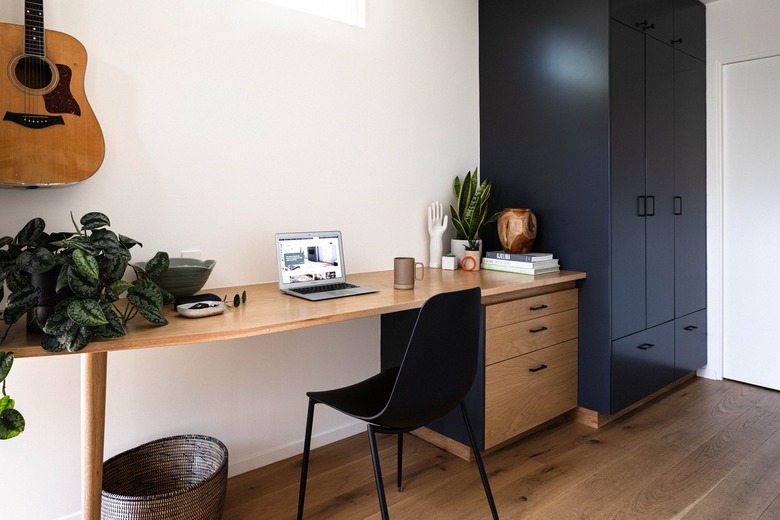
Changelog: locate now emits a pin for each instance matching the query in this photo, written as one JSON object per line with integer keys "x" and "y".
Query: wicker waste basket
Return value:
{"x": 175, "y": 478}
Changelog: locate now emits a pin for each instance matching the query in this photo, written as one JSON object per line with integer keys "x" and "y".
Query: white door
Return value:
{"x": 751, "y": 221}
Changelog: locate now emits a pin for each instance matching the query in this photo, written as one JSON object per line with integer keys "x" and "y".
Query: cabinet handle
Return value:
{"x": 650, "y": 206}
{"x": 678, "y": 40}
{"x": 641, "y": 206}
{"x": 645, "y": 346}
{"x": 678, "y": 205}
{"x": 537, "y": 307}
{"x": 690, "y": 327}
{"x": 541, "y": 367}
{"x": 540, "y": 329}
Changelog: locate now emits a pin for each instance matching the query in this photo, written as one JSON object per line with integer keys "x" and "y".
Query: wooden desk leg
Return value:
{"x": 93, "y": 418}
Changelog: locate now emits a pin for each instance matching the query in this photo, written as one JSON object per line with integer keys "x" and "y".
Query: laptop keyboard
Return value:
{"x": 323, "y": 288}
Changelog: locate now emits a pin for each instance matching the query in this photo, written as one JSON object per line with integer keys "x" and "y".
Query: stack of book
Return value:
{"x": 528, "y": 263}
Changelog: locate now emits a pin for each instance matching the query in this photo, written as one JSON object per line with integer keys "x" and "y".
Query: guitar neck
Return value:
{"x": 34, "y": 39}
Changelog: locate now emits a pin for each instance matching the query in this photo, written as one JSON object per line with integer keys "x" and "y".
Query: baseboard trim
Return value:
{"x": 598, "y": 420}
{"x": 292, "y": 449}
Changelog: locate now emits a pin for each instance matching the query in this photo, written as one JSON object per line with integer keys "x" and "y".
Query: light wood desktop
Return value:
{"x": 267, "y": 311}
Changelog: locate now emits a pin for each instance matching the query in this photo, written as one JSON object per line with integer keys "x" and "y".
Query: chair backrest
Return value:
{"x": 440, "y": 363}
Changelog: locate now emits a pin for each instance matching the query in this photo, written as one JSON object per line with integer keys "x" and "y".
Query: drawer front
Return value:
{"x": 525, "y": 391}
{"x": 521, "y": 338}
{"x": 641, "y": 364}
{"x": 502, "y": 314}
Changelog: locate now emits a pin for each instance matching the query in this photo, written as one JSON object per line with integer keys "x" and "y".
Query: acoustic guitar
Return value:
{"x": 49, "y": 135}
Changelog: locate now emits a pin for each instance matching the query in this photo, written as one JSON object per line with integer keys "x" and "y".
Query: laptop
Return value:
{"x": 311, "y": 266}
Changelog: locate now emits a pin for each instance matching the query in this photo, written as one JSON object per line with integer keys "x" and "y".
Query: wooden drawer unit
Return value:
{"x": 526, "y": 391}
{"x": 531, "y": 363}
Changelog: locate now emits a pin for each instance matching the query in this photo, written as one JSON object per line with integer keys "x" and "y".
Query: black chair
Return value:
{"x": 437, "y": 371}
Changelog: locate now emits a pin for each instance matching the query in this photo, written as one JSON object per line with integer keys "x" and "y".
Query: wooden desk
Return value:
{"x": 267, "y": 311}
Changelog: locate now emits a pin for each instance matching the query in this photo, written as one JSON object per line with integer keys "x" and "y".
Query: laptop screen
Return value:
{"x": 309, "y": 258}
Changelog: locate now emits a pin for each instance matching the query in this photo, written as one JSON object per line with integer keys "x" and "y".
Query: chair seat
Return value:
{"x": 364, "y": 400}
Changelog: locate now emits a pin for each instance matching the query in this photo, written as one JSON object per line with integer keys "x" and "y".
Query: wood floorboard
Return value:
{"x": 706, "y": 450}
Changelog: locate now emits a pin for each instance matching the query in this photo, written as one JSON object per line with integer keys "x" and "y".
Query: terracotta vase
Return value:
{"x": 517, "y": 230}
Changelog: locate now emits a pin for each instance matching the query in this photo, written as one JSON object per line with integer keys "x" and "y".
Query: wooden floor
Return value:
{"x": 707, "y": 450}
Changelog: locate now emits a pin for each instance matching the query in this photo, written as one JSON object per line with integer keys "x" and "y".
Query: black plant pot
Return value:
{"x": 49, "y": 297}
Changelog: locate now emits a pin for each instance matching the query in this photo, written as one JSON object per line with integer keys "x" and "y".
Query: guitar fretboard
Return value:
{"x": 34, "y": 44}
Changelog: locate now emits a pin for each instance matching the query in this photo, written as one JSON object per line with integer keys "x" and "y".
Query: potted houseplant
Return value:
{"x": 89, "y": 265}
{"x": 470, "y": 214}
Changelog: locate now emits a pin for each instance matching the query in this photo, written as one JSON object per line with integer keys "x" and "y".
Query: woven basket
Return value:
{"x": 182, "y": 477}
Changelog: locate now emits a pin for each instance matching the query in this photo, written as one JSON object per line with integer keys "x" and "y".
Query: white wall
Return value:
{"x": 736, "y": 30}
{"x": 225, "y": 122}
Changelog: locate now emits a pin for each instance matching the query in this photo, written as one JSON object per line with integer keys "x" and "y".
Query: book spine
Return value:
{"x": 531, "y": 265}
{"x": 517, "y": 257}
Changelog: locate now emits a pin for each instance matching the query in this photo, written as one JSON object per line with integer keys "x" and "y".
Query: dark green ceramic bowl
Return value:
{"x": 184, "y": 277}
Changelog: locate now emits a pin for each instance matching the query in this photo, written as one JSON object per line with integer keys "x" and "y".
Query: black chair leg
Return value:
{"x": 400, "y": 461}
{"x": 305, "y": 462}
{"x": 380, "y": 487}
{"x": 478, "y": 458}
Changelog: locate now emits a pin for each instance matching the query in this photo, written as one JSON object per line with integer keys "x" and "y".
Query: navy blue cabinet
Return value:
{"x": 598, "y": 125}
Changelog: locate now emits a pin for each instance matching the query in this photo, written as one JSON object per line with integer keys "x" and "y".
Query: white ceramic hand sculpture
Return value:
{"x": 437, "y": 224}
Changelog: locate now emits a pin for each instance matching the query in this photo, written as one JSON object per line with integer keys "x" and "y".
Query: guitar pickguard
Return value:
{"x": 60, "y": 100}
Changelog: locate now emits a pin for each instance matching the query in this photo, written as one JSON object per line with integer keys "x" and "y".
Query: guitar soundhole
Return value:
{"x": 33, "y": 74}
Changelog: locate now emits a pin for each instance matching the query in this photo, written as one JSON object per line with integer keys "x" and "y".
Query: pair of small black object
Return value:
{"x": 238, "y": 299}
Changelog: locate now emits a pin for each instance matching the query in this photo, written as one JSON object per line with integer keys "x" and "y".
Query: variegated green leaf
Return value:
{"x": 6, "y": 403}
{"x": 16, "y": 279}
{"x": 81, "y": 284}
{"x": 24, "y": 299}
{"x": 112, "y": 329}
{"x": 113, "y": 268}
{"x": 145, "y": 295}
{"x": 158, "y": 264}
{"x": 6, "y": 361}
{"x": 120, "y": 286}
{"x": 129, "y": 242}
{"x": 86, "y": 313}
{"x": 58, "y": 323}
{"x": 107, "y": 241}
{"x": 153, "y": 316}
{"x": 95, "y": 220}
{"x": 39, "y": 260}
{"x": 11, "y": 423}
{"x": 62, "y": 279}
{"x": 86, "y": 263}
{"x": 31, "y": 232}
{"x": 81, "y": 339}
{"x": 51, "y": 343}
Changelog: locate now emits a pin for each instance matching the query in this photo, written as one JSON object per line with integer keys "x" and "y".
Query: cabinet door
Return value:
{"x": 659, "y": 147}
{"x": 641, "y": 364}
{"x": 690, "y": 343}
{"x": 690, "y": 185}
{"x": 689, "y": 28}
{"x": 627, "y": 165}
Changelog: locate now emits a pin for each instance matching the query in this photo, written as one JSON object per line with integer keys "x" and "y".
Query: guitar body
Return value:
{"x": 49, "y": 135}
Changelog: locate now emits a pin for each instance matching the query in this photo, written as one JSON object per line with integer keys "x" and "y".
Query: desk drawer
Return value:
{"x": 506, "y": 313}
{"x": 521, "y": 338}
{"x": 520, "y": 394}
